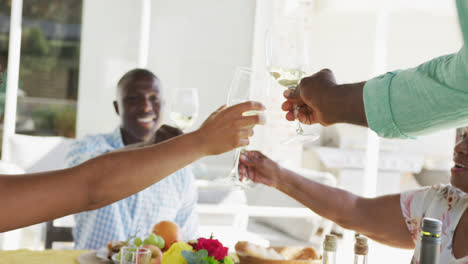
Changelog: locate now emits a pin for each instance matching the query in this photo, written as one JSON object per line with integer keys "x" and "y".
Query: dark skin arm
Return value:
{"x": 321, "y": 100}
{"x": 378, "y": 218}
{"x": 33, "y": 198}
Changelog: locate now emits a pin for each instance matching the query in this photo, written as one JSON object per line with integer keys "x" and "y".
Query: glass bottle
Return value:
{"x": 329, "y": 250}
{"x": 360, "y": 250}
{"x": 430, "y": 241}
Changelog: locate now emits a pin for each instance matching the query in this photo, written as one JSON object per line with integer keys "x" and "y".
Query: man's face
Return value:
{"x": 459, "y": 177}
{"x": 139, "y": 106}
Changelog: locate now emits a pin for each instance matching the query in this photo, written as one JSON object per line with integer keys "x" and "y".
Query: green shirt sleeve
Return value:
{"x": 424, "y": 99}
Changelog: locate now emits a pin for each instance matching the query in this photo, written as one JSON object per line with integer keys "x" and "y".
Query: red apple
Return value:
{"x": 156, "y": 254}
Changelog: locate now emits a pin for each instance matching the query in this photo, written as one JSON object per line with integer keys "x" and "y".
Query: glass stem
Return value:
{"x": 299, "y": 130}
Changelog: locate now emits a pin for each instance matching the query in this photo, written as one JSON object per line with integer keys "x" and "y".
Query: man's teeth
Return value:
{"x": 146, "y": 119}
{"x": 459, "y": 166}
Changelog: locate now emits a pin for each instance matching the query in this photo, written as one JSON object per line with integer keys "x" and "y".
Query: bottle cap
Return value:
{"x": 432, "y": 227}
{"x": 329, "y": 244}
{"x": 361, "y": 247}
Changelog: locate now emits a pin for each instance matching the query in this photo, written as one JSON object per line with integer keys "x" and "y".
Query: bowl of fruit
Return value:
{"x": 152, "y": 243}
{"x": 167, "y": 247}
{"x": 164, "y": 234}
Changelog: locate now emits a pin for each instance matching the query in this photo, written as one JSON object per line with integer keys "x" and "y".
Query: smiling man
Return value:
{"x": 139, "y": 106}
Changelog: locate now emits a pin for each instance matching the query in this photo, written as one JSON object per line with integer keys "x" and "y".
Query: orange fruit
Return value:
{"x": 169, "y": 231}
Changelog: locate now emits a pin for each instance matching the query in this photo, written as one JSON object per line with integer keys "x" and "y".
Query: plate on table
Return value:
{"x": 92, "y": 258}
{"x": 115, "y": 260}
{"x": 102, "y": 253}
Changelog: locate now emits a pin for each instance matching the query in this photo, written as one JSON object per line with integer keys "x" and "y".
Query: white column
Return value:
{"x": 371, "y": 169}
{"x": 380, "y": 62}
{"x": 144, "y": 33}
{"x": 14, "y": 48}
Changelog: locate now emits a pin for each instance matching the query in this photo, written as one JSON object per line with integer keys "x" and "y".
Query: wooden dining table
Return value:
{"x": 24, "y": 256}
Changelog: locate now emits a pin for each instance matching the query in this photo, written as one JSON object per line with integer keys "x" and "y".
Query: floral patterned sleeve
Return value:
{"x": 414, "y": 205}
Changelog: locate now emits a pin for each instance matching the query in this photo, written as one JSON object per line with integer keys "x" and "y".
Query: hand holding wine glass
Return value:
{"x": 308, "y": 99}
{"x": 287, "y": 60}
{"x": 322, "y": 101}
{"x": 243, "y": 89}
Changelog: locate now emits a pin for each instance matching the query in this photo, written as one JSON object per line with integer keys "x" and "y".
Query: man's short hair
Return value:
{"x": 133, "y": 74}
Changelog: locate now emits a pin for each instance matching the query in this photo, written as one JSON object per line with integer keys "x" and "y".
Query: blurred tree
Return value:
{"x": 60, "y": 11}
{"x": 34, "y": 42}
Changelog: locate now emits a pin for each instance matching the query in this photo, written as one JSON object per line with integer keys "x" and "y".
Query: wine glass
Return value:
{"x": 287, "y": 61}
{"x": 135, "y": 255}
{"x": 243, "y": 89}
{"x": 184, "y": 108}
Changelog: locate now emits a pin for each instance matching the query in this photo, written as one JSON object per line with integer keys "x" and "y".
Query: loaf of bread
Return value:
{"x": 306, "y": 254}
{"x": 245, "y": 248}
{"x": 251, "y": 249}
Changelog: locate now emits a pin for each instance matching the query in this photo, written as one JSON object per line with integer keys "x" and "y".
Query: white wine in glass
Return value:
{"x": 288, "y": 78}
{"x": 184, "y": 108}
{"x": 287, "y": 60}
{"x": 182, "y": 121}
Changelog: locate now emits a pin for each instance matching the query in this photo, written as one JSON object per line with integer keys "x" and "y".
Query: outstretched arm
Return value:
{"x": 378, "y": 218}
{"x": 399, "y": 104}
{"x": 34, "y": 198}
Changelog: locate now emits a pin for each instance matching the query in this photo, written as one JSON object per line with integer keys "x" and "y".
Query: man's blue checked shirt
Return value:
{"x": 174, "y": 198}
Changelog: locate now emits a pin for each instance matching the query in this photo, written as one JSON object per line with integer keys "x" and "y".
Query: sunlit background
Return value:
{"x": 73, "y": 52}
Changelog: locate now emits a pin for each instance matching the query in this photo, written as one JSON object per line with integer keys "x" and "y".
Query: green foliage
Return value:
{"x": 63, "y": 11}
{"x": 228, "y": 260}
{"x": 58, "y": 119}
{"x": 65, "y": 121}
{"x": 34, "y": 42}
{"x": 211, "y": 260}
{"x": 44, "y": 118}
{"x": 201, "y": 257}
{"x": 195, "y": 257}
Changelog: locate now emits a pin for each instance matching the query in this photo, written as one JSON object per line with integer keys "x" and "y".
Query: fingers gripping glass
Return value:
{"x": 286, "y": 61}
{"x": 243, "y": 89}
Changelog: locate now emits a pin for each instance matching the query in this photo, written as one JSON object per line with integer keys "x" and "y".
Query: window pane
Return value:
{"x": 50, "y": 51}
{"x": 5, "y": 10}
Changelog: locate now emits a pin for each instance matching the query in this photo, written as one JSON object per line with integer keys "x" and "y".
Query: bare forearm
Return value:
{"x": 120, "y": 176}
{"x": 350, "y": 104}
{"x": 378, "y": 218}
{"x": 332, "y": 203}
{"x": 31, "y": 199}
{"x": 34, "y": 198}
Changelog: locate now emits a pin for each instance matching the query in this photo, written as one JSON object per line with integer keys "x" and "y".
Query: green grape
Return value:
{"x": 137, "y": 242}
{"x": 160, "y": 242}
{"x": 154, "y": 240}
{"x": 149, "y": 241}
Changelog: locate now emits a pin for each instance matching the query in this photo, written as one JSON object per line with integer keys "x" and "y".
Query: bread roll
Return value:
{"x": 251, "y": 249}
{"x": 306, "y": 254}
